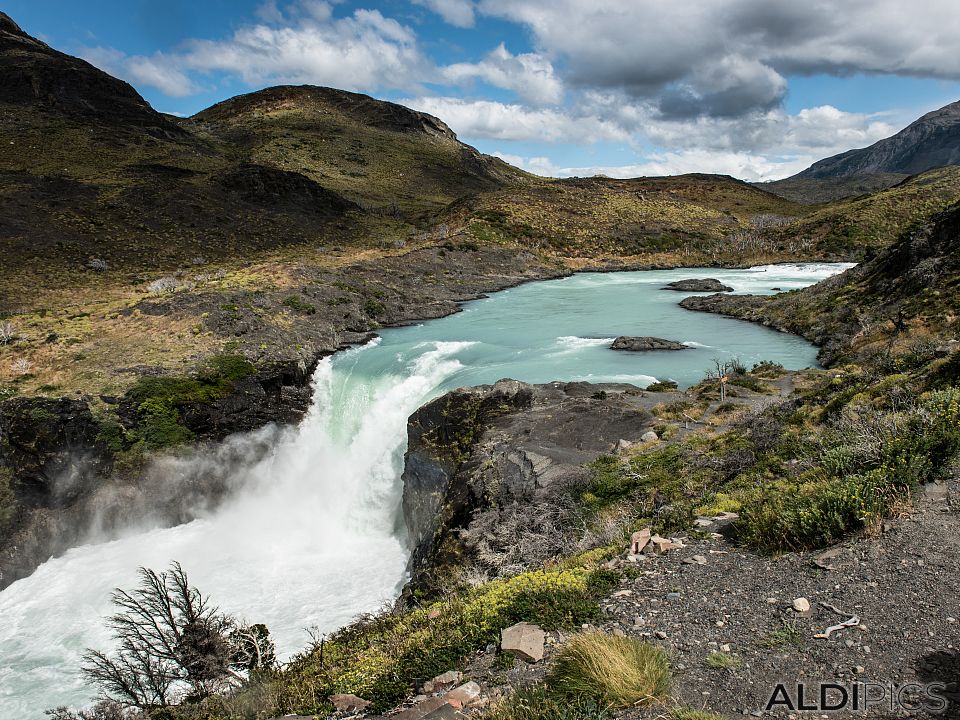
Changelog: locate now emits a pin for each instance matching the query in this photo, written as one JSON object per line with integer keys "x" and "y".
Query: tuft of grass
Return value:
{"x": 721, "y": 661}
{"x": 538, "y": 703}
{"x": 788, "y": 635}
{"x": 616, "y": 671}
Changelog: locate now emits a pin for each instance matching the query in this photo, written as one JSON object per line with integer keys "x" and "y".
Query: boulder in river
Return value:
{"x": 698, "y": 285}
{"x": 645, "y": 344}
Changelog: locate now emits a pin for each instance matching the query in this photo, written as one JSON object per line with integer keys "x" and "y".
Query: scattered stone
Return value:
{"x": 524, "y": 641}
{"x": 825, "y": 559}
{"x": 661, "y": 634}
{"x": 660, "y": 545}
{"x": 622, "y": 446}
{"x": 698, "y": 285}
{"x": 801, "y": 605}
{"x": 442, "y": 682}
{"x": 346, "y": 703}
{"x": 673, "y": 596}
{"x": 464, "y": 696}
{"x": 726, "y": 648}
{"x": 649, "y": 437}
{"x": 645, "y": 344}
{"x": 435, "y": 708}
{"x": 695, "y": 560}
{"x": 622, "y": 593}
{"x": 639, "y": 540}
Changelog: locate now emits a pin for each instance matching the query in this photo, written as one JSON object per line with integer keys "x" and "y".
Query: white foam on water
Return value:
{"x": 632, "y": 379}
{"x": 573, "y": 343}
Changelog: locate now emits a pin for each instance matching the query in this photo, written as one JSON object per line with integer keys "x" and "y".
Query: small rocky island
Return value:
{"x": 698, "y": 285}
{"x": 645, "y": 344}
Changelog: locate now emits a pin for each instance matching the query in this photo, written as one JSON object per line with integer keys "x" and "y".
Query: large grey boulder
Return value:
{"x": 645, "y": 344}
{"x": 698, "y": 285}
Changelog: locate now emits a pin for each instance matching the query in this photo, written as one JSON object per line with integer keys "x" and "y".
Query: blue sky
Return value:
{"x": 754, "y": 88}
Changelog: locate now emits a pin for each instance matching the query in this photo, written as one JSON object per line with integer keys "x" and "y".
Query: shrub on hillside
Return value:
{"x": 870, "y": 466}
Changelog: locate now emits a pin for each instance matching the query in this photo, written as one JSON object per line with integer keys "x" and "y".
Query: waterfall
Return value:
{"x": 310, "y": 541}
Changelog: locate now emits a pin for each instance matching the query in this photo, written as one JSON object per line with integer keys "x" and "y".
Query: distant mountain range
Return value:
{"x": 930, "y": 142}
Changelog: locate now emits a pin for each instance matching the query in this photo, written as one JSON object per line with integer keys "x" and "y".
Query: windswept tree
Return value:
{"x": 173, "y": 644}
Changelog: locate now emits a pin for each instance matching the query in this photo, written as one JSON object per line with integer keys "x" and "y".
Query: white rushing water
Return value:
{"x": 312, "y": 540}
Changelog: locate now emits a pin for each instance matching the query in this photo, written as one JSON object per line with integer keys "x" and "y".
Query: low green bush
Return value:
{"x": 295, "y": 302}
{"x": 159, "y": 399}
{"x": 864, "y": 477}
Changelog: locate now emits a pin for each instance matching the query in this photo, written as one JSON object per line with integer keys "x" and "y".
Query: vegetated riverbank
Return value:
{"x": 859, "y": 458}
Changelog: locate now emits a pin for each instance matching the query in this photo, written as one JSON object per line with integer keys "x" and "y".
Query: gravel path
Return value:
{"x": 902, "y": 584}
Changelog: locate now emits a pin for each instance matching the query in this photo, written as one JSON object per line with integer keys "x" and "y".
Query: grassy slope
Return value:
{"x": 674, "y": 219}
{"x": 857, "y": 226}
{"x": 823, "y": 190}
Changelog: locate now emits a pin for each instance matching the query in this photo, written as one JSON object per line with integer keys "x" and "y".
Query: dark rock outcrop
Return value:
{"x": 698, "y": 285}
{"x": 282, "y": 189}
{"x": 645, "y": 344}
{"x": 489, "y": 465}
{"x": 53, "y": 455}
{"x": 930, "y": 142}
{"x": 36, "y": 75}
{"x": 61, "y": 463}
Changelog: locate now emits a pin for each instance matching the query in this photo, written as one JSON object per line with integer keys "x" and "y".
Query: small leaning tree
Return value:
{"x": 172, "y": 644}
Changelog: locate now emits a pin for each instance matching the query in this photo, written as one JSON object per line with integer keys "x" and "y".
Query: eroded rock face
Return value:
{"x": 645, "y": 344}
{"x": 698, "y": 285}
{"x": 488, "y": 465}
